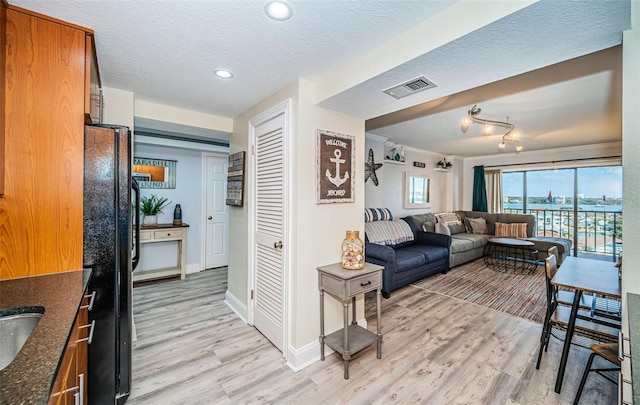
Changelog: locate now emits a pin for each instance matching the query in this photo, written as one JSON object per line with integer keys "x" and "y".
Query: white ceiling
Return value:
{"x": 166, "y": 51}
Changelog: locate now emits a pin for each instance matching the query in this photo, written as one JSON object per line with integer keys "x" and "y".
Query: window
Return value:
{"x": 582, "y": 204}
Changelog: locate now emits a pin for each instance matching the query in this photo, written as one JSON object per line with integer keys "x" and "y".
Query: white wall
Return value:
{"x": 317, "y": 229}
{"x": 117, "y": 107}
{"x": 390, "y": 189}
{"x": 188, "y": 193}
{"x": 631, "y": 161}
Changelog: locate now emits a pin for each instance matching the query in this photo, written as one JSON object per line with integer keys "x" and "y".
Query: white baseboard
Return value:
{"x": 297, "y": 359}
{"x": 236, "y": 306}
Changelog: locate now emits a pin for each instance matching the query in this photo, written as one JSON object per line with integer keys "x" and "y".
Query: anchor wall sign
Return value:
{"x": 335, "y": 166}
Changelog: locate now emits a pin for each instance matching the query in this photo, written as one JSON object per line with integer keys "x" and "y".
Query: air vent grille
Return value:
{"x": 410, "y": 87}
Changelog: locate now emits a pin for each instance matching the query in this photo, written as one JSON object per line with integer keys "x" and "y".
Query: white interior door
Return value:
{"x": 269, "y": 229}
{"x": 217, "y": 215}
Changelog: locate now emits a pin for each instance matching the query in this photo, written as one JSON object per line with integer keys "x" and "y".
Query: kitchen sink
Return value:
{"x": 16, "y": 325}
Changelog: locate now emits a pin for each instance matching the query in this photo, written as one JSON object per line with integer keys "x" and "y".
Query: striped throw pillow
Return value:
{"x": 449, "y": 218}
{"x": 377, "y": 214}
{"x": 513, "y": 230}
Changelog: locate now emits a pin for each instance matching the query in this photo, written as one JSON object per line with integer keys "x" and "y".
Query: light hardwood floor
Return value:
{"x": 192, "y": 349}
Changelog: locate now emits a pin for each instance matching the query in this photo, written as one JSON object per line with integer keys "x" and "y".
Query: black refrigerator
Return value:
{"x": 110, "y": 232}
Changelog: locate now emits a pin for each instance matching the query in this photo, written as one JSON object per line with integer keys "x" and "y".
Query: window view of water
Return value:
{"x": 550, "y": 196}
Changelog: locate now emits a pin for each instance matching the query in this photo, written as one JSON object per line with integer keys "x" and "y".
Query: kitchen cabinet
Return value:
{"x": 3, "y": 38}
{"x": 70, "y": 385}
{"x": 50, "y": 71}
{"x": 93, "y": 94}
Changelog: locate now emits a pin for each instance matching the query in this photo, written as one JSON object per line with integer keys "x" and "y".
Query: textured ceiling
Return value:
{"x": 165, "y": 52}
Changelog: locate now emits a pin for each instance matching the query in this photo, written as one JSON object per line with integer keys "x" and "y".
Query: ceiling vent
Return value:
{"x": 410, "y": 87}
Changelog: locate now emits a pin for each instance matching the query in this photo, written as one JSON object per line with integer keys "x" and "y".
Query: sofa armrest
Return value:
{"x": 434, "y": 239}
{"x": 380, "y": 252}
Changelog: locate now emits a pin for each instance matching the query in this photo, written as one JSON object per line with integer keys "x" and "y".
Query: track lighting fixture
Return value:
{"x": 510, "y": 136}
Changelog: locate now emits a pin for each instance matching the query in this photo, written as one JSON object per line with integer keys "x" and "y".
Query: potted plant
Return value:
{"x": 150, "y": 207}
{"x": 444, "y": 164}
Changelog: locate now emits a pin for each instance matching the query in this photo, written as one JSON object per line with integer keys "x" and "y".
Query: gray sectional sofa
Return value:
{"x": 467, "y": 246}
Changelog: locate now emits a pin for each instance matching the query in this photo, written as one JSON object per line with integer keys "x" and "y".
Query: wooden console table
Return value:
{"x": 164, "y": 233}
{"x": 345, "y": 285}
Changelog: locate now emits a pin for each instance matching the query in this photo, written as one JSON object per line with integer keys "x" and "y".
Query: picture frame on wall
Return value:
{"x": 335, "y": 162}
{"x": 235, "y": 179}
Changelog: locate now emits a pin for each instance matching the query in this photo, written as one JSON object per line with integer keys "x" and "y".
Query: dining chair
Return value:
{"x": 566, "y": 297}
{"x": 558, "y": 315}
{"x": 609, "y": 352}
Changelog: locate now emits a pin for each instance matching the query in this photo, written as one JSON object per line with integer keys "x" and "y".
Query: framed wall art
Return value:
{"x": 235, "y": 179}
{"x": 154, "y": 173}
{"x": 335, "y": 167}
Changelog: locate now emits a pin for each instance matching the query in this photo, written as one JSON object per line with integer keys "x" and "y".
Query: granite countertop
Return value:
{"x": 28, "y": 379}
{"x": 633, "y": 313}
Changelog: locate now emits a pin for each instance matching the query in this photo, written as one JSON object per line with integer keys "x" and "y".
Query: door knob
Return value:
{"x": 209, "y": 217}
{"x": 278, "y": 245}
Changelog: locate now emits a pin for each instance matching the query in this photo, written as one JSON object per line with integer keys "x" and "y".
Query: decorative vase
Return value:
{"x": 177, "y": 215}
{"x": 150, "y": 220}
{"x": 352, "y": 251}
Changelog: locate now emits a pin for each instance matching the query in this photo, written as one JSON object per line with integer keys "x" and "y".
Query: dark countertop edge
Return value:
{"x": 29, "y": 378}
{"x": 633, "y": 314}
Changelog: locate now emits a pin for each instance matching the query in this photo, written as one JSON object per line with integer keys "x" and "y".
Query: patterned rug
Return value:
{"x": 519, "y": 295}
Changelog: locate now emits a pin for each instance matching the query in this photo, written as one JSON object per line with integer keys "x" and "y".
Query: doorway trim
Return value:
{"x": 282, "y": 108}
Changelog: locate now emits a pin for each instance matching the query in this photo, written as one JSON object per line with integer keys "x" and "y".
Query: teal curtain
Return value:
{"x": 479, "y": 189}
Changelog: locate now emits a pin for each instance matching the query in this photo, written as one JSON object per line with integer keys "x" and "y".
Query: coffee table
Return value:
{"x": 507, "y": 255}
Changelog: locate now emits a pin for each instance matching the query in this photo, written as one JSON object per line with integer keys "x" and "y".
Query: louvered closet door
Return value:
{"x": 269, "y": 231}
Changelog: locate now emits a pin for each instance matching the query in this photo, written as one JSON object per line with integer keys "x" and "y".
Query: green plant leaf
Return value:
{"x": 153, "y": 205}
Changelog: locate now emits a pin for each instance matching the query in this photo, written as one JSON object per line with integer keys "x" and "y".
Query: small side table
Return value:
{"x": 345, "y": 285}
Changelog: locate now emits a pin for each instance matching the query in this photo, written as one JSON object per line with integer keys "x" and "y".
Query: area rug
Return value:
{"x": 521, "y": 295}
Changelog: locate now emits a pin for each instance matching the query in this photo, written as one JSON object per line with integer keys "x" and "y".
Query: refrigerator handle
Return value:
{"x": 136, "y": 223}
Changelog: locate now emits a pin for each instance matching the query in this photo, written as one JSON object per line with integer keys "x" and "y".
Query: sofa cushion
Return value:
{"x": 390, "y": 233}
{"x": 453, "y": 221}
{"x": 477, "y": 239}
{"x": 489, "y": 217}
{"x": 428, "y": 226}
{"x": 427, "y": 220}
{"x": 459, "y": 244}
{"x": 529, "y": 219}
{"x": 431, "y": 253}
{"x": 408, "y": 259}
{"x": 441, "y": 228}
{"x": 476, "y": 225}
{"x": 448, "y": 218}
{"x": 512, "y": 230}
{"x": 377, "y": 214}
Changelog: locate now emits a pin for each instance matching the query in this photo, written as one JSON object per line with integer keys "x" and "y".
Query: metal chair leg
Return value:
{"x": 584, "y": 378}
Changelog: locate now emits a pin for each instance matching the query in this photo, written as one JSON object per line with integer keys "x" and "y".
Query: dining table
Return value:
{"x": 584, "y": 275}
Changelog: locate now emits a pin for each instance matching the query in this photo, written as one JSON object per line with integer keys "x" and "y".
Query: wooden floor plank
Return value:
{"x": 192, "y": 349}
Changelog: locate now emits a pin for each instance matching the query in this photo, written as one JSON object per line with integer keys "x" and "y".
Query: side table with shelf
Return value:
{"x": 346, "y": 285}
{"x": 164, "y": 233}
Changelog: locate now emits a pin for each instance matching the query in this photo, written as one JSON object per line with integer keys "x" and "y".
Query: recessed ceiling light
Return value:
{"x": 278, "y": 10}
{"x": 225, "y": 74}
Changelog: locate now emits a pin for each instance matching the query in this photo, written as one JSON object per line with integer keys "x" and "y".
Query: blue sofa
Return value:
{"x": 407, "y": 261}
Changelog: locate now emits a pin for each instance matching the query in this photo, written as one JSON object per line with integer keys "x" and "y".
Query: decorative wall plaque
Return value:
{"x": 335, "y": 167}
{"x": 235, "y": 179}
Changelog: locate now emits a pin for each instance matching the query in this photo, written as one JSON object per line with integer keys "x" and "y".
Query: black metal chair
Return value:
{"x": 609, "y": 352}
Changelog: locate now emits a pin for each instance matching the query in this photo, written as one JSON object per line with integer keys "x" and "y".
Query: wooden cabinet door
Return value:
{"x": 41, "y": 217}
{"x": 93, "y": 95}
{"x": 3, "y": 38}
